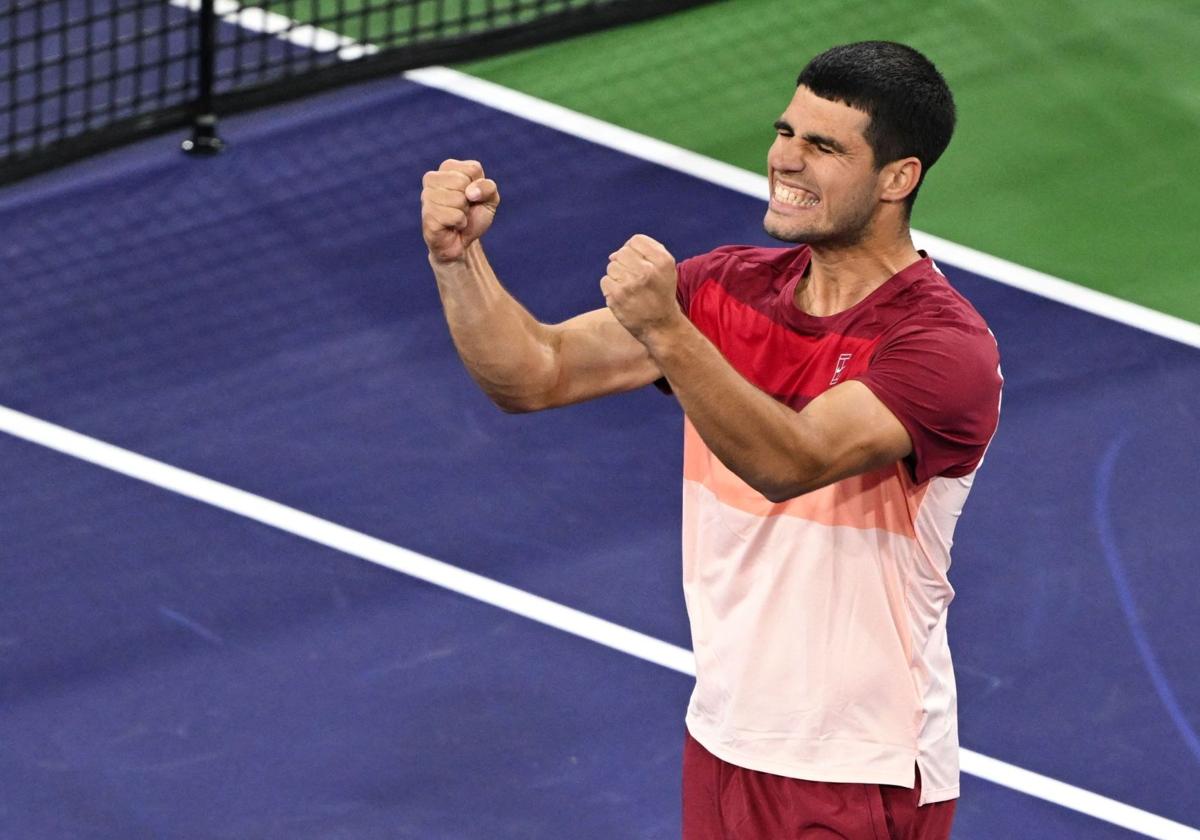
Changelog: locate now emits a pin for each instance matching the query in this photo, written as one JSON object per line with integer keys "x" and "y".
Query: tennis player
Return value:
{"x": 839, "y": 396}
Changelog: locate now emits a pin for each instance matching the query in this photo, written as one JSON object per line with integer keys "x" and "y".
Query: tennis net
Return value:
{"x": 81, "y": 76}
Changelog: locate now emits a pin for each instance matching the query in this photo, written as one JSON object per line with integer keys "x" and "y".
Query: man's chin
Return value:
{"x": 816, "y": 238}
{"x": 785, "y": 233}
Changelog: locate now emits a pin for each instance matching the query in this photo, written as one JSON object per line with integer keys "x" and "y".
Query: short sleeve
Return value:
{"x": 942, "y": 381}
{"x": 691, "y": 273}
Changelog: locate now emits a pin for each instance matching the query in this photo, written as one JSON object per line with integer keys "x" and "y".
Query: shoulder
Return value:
{"x": 937, "y": 369}
{"x": 931, "y": 312}
{"x": 936, "y": 343}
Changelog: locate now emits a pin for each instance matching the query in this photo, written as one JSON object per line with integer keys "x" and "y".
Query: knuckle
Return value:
{"x": 459, "y": 170}
{"x": 453, "y": 198}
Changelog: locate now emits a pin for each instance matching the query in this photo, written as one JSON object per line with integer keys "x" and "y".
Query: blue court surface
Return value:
{"x": 266, "y": 319}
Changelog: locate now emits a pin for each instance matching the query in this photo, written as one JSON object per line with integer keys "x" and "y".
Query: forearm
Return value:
{"x": 506, "y": 350}
{"x": 758, "y": 438}
{"x": 779, "y": 452}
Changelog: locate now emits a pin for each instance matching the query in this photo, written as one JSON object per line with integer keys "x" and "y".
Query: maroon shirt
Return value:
{"x": 918, "y": 345}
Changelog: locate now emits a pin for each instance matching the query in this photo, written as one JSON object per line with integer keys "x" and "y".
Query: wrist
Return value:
{"x": 443, "y": 262}
{"x": 466, "y": 261}
{"x": 465, "y": 257}
{"x": 667, "y": 338}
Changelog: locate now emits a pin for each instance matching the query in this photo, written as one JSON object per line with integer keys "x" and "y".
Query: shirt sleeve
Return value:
{"x": 691, "y": 273}
{"x": 942, "y": 382}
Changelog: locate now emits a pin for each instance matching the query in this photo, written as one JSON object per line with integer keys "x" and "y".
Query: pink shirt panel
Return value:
{"x": 819, "y": 623}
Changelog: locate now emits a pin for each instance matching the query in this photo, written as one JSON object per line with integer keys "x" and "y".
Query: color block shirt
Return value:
{"x": 819, "y": 623}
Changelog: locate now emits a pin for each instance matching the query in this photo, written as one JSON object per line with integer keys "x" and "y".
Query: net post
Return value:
{"x": 204, "y": 139}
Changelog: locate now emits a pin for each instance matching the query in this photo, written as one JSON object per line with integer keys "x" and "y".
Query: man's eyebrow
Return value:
{"x": 811, "y": 137}
{"x": 822, "y": 140}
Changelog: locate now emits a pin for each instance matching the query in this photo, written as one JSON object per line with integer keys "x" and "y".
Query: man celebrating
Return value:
{"x": 839, "y": 397}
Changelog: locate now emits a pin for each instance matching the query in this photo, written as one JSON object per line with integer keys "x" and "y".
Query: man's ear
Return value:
{"x": 899, "y": 178}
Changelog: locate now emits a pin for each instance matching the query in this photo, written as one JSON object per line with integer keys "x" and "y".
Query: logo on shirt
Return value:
{"x": 842, "y": 361}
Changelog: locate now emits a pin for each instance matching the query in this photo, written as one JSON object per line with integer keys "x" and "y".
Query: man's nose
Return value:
{"x": 785, "y": 157}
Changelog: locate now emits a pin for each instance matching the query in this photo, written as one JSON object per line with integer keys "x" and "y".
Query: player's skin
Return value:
{"x": 825, "y": 191}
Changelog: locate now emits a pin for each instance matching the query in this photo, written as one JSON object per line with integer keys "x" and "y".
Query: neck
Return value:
{"x": 840, "y": 276}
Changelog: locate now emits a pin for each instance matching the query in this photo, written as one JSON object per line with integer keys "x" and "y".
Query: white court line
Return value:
{"x": 343, "y": 539}
{"x": 505, "y": 597}
{"x": 700, "y": 166}
{"x": 549, "y": 612}
{"x": 281, "y": 26}
{"x": 755, "y": 185}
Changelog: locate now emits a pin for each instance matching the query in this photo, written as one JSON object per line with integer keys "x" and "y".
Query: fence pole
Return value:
{"x": 204, "y": 139}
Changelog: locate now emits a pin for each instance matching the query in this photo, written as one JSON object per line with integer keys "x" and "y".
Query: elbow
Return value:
{"x": 519, "y": 403}
{"x": 511, "y": 398}
{"x": 778, "y": 488}
{"x": 520, "y": 393}
{"x": 514, "y": 405}
{"x": 785, "y": 493}
{"x": 778, "y": 494}
{"x": 799, "y": 471}
{"x": 774, "y": 488}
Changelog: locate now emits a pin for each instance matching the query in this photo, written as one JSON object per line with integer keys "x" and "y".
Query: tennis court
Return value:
{"x": 225, "y": 648}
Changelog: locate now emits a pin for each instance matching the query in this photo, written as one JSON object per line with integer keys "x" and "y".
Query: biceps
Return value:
{"x": 854, "y": 432}
{"x": 597, "y": 356}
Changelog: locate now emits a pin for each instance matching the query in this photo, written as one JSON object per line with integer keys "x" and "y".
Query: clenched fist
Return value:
{"x": 639, "y": 286}
{"x": 458, "y": 205}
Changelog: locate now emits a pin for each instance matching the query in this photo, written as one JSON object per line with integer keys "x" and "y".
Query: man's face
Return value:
{"x": 824, "y": 186}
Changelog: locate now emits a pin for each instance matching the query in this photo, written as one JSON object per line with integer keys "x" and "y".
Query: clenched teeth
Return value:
{"x": 797, "y": 199}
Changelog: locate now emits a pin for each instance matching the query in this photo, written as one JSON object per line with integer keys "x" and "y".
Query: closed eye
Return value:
{"x": 824, "y": 144}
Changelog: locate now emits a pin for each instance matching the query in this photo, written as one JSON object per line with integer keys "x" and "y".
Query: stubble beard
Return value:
{"x": 841, "y": 233}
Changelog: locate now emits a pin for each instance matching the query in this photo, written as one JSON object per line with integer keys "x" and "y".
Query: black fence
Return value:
{"x": 81, "y": 76}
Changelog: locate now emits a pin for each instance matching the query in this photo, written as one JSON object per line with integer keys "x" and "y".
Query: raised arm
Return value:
{"x": 519, "y": 362}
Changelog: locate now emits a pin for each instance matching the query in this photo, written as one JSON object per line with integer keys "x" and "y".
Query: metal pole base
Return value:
{"x": 204, "y": 139}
